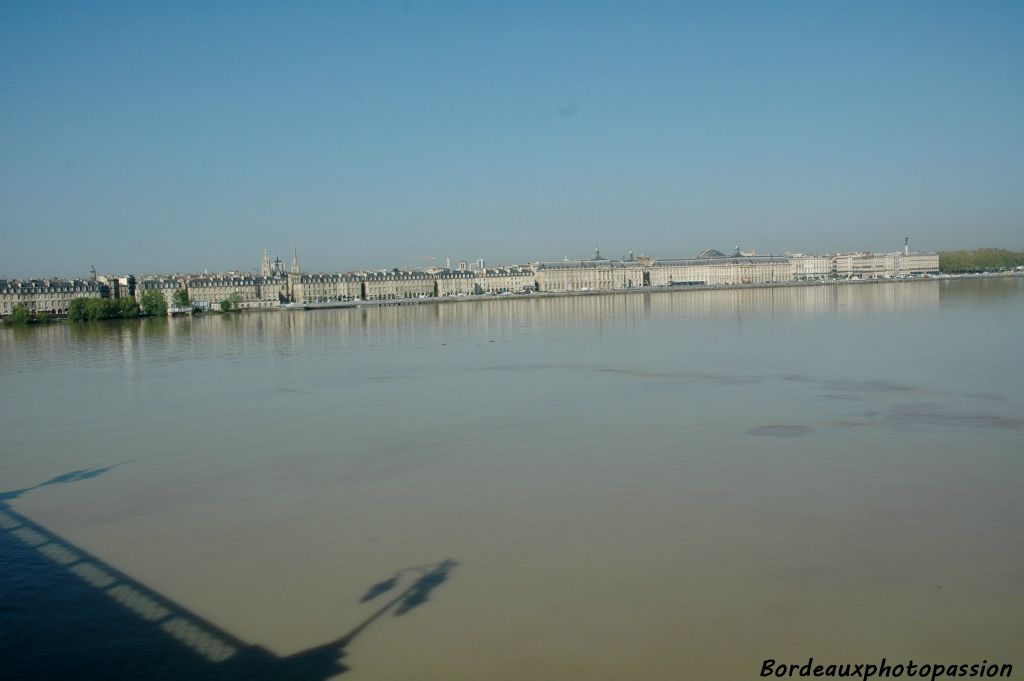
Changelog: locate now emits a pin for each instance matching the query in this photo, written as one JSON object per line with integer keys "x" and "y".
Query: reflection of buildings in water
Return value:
{"x": 498, "y": 317}
{"x": 436, "y": 322}
{"x": 891, "y": 297}
{"x": 291, "y": 331}
{"x": 967, "y": 291}
{"x": 739, "y": 302}
{"x": 84, "y": 342}
{"x": 816, "y": 299}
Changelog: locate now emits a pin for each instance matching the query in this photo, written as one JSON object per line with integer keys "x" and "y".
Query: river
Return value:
{"x": 644, "y": 486}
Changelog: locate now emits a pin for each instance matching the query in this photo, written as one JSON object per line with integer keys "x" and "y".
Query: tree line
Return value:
{"x": 979, "y": 260}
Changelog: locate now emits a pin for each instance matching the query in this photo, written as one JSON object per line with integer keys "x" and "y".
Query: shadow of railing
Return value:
{"x": 69, "y": 614}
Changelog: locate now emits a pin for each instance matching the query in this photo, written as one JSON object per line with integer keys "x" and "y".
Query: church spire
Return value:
{"x": 265, "y": 268}
{"x": 295, "y": 260}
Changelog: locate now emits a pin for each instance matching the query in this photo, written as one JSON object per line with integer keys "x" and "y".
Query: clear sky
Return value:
{"x": 182, "y": 136}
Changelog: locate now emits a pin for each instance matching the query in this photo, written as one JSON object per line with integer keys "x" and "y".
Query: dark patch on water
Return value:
{"x": 873, "y": 386}
{"x": 735, "y": 380}
{"x": 848, "y": 424}
{"x": 991, "y": 397}
{"x": 849, "y": 386}
{"x": 721, "y": 379}
{"x": 523, "y": 367}
{"x": 780, "y": 430}
{"x": 856, "y": 398}
{"x": 933, "y": 415}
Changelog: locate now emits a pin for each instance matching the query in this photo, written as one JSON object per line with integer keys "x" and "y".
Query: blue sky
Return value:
{"x": 157, "y": 137}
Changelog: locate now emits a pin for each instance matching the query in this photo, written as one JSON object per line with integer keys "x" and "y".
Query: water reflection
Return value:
{"x": 289, "y": 332}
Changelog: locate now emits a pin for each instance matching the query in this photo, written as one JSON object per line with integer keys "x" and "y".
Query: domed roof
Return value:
{"x": 711, "y": 253}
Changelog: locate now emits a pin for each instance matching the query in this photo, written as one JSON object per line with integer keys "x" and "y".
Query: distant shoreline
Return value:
{"x": 476, "y": 298}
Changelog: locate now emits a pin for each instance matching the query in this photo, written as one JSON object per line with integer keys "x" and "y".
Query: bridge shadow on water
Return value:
{"x": 64, "y": 613}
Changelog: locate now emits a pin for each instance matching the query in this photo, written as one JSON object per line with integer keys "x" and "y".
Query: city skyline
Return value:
{"x": 167, "y": 137}
{"x": 272, "y": 259}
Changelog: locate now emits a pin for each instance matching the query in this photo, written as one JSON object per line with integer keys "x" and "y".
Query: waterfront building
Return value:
{"x": 396, "y": 284}
{"x": 47, "y": 296}
{"x": 884, "y": 265}
{"x": 505, "y": 280}
{"x": 250, "y": 291}
{"x": 810, "y": 267}
{"x": 166, "y": 286}
{"x": 863, "y": 265}
{"x": 916, "y": 264}
{"x": 120, "y": 287}
{"x": 455, "y": 283}
{"x": 322, "y": 288}
{"x": 587, "y": 275}
{"x": 714, "y": 267}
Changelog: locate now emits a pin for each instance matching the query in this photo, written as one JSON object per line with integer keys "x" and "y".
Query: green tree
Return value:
{"x": 153, "y": 303}
{"x": 101, "y": 308}
{"x": 180, "y": 298}
{"x": 232, "y": 302}
{"x": 127, "y": 308}
{"x": 93, "y": 309}
{"x": 20, "y": 314}
{"x": 77, "y": 310}
{"x": 979, "y": 260}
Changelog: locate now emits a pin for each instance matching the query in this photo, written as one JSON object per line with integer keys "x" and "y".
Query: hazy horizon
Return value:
{"x": 149, "y": 138}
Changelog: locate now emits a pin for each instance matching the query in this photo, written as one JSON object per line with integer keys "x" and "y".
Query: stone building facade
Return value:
{"x": 398, "y": 284}
{"x": 251, "y": 292}
{"x": 505, "y": 280}
{"x": 455, "y": 283}
{"x": 322, "y": 288}
{"x": 588, "y": 275}
{"x": 166, "y": 286}
{"x": 47, "y": 296}
{"x": 810, "y": 267}
{"x": 916, "y": 264}
{"x": 721, "y": 270}
{"x": 884, "y": 265}
{"x": 120, "y": 287}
